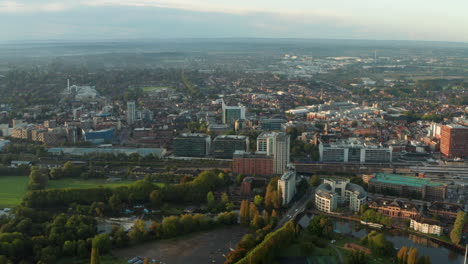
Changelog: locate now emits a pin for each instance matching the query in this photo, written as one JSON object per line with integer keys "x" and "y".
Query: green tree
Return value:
{"x": 457, "y": 231}
{"x": 95, "y": 256}
{"x": 258, "y": 200}
{"x": 102, "y": 243}
{"x": 210, "y": 198}
{"x": 156, "y": 198}
{"x": 315, "y": 181}
{"x": 115, "y": 203}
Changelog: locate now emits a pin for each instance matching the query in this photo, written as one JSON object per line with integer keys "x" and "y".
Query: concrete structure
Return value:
{"x": 333, "y": 193}
{"x": 224, "y": 146}
{"x": 273, "y": 124}
{"x": 353, "y": 150}
{"x": 454, "y": 141}
{"x": 275, "y": 144}
{"x": 398, "y": 185}
{"x": 232, "y": 113}
{"x": 192, "y": 145}
{"x": 287, "y": 186}
{"x": 157, "y": 152}
{"x": 252, "y": 164}
{"x": 426, "y": 226}
{"x": 99, "y": 136}
{"x": 131, "y": 112}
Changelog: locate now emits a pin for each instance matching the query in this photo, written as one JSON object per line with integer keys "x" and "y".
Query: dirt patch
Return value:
{"x": 200, "y": 248}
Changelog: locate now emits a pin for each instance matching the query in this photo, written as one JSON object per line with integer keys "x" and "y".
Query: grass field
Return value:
{"x": 12, "y": 190}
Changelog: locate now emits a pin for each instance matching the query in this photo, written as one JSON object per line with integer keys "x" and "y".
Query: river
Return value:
{"x": 438, "y": 253}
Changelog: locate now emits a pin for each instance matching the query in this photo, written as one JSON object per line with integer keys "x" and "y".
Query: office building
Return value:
{"x": 252, "y": 164}
{"x": 232, "y": 113}
{"x": 454, "y": 141}
{"x": 224, "y": 146}
{"x": 275, "y": 144}
{"x": 287, "y": 186}
{"x": 398, "y": 185}
{"x": 273, "y": 124}
{"x": 354, "y": 151}
{"x": 395, "y": 208}
{"x": 99, "y": 136}
{"x": 192, "y": 145}
{"x": 332, "y": 194}
{"x": 131, "y": 112}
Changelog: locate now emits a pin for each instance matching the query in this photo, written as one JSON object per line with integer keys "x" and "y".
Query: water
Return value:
{"x": 438, "y": 253}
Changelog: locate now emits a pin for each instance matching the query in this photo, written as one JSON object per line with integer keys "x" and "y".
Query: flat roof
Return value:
{"x": 404, "y": 180}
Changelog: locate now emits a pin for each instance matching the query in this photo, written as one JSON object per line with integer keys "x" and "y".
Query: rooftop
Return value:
{"x": 404, "y": 180}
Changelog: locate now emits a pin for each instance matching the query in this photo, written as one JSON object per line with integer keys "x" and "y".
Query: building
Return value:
{"x": 454, "y": 141}
{"x": 131, "y": 112}
{"x": 395, "y": 208}
{"x": 398, "y": 185}
{"x": 354, "y": 151}
{"x": 224, "y": 146}
{"x": 287, "y": 186}
{"x": 157, "y": 152}
{"x": 99, "y": 136}
{"x": 426, "y": 226}
{"x": 333, "y": 193}
{"x": 251, "y": 185}
{"x": 272, "y": 124}
{"x": 252, "y": 164}
{"x": 192, "y": 145}
{"x": 277, "y": 145}
{"x": 445, "y": 210}
{"x": 232, "y": 113}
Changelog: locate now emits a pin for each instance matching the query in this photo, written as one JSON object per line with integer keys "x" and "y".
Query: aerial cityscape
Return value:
{"x": 235, "y": 149}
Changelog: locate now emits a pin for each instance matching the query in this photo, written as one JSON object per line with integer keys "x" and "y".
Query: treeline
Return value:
{"x": 115, "y": 198}
{"x": 271, "y": 244}
{"x": 379, "y": 245}
{"x": 410, "y": 256}
{"x": 373, "y": 216}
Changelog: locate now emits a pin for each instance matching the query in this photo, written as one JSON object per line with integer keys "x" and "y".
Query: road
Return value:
{"x": 297, "y": 207}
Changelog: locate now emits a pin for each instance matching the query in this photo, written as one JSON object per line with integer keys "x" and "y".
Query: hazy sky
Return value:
{"x": 445, "y": 20}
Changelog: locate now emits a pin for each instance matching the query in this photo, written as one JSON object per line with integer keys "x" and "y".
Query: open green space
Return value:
{"x": 153, "y": 88}
{"x": 12, "y": 190}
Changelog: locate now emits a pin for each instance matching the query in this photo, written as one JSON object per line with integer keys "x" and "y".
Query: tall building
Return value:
{"x": 333, "y": 193}
{"x": 287, "y": 185}
{"x": 192, "y": 145}
{"x": 275, "y": 144}
{"x": 131, "y": 112}
{"x": 454, "y": 141}
{"x": 232, "y": 113}
{"x": 224, "y": 146}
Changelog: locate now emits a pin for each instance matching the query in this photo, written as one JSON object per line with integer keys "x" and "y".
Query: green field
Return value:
{"x": 153, "y": 88}
{"x": 12, "y": 190}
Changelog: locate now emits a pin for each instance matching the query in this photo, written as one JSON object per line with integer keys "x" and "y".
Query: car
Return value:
{"x": 296, "y": 210}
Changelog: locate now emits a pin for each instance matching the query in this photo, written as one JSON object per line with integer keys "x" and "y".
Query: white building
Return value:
{"x": 275, "y": 144}
{"x": 232, "y": 113}
{"x": 131, "y": 112}
{"x": 353, "y": 150}
{"x": 426, "y": 226}
{"x": 287, "y": 186}
{"x": 333, "y": 193}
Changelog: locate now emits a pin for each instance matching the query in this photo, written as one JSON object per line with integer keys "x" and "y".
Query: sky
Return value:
{"x": 430, "y": 20}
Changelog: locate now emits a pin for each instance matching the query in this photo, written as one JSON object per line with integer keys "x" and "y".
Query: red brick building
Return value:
{"x": 252, "y": 164}
{"x": 454, "y": 141}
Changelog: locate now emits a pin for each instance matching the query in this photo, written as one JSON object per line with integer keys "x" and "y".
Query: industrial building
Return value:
{"x": 354, "y": 151}
{"x": 398, "y": 185}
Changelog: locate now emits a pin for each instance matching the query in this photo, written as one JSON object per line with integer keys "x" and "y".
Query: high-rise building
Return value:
{"x": 352, "y": 150}
{"x": 232, "y": 113}
{"x": 454, "y": 141}
{"x": 287, "y": 185}
{"x": 224, "y": 146}
{"x": 192, "y": 145}
{"x": 131, "y": 112}
{"x": 275, "y": 144}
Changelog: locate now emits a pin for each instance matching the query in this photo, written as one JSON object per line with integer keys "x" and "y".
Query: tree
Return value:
{"x": 244, "y": 213}
{"x": 315, "y": 181}
{"x": 156, "y": 198}
{"x": 412, "y": 256}
{"x": 402, "y": 255}
{"x": 253, "y": 211}
{"x": 138, "y": 232}
{"x": 357, "y": 257}
{"x": 224, "y": 199}
{"x": 210, "y": 198}
{"x": 258, "y": 200}
{"x": 115, "y": 203}
{"x": 320, "y": 226}
{"x": 38, "y": 179}
{"x": 102, "y": 243}
{"x": 95, "y": 256}
{"x": 457, "y": 231}
{"x": 257, "y": 222}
